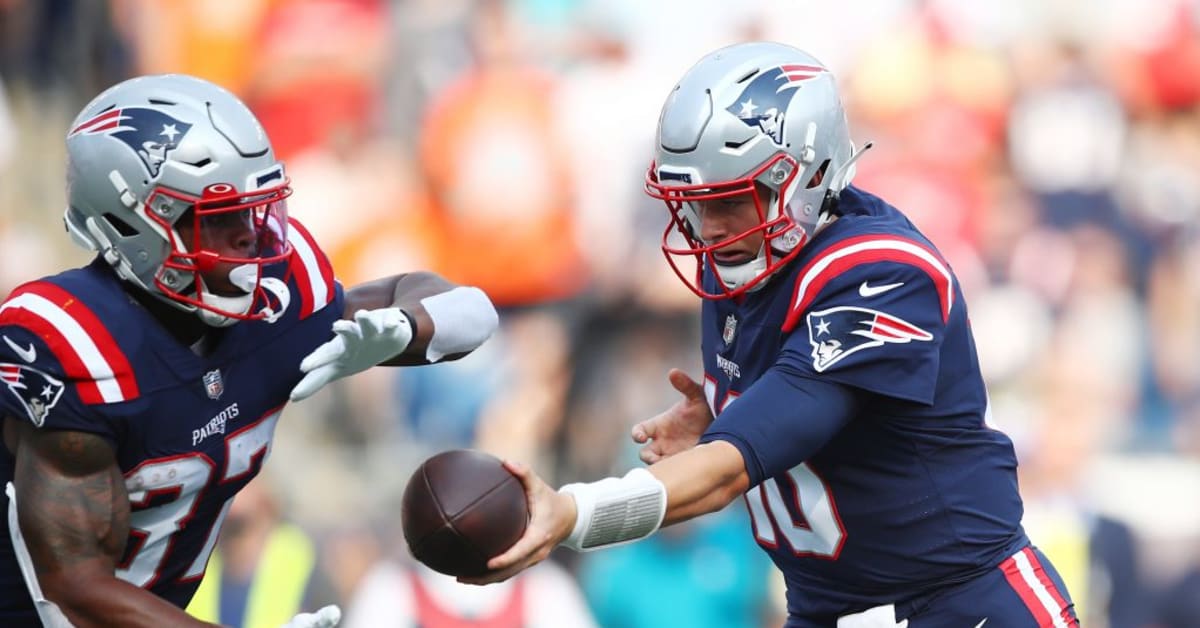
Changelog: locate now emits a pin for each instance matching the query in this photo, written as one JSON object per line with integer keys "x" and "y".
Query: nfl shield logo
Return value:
{"x": 213, "y": 384}
{"x": 730, "y": 329}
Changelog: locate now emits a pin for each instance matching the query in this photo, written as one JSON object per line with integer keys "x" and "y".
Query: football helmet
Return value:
{"x": 750, "y": 115}
{"x": 155, "y": 158}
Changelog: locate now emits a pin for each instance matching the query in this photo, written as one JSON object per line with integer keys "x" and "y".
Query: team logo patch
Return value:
{"x": 213, "y": 385}
{"x": 730, "y": 329}
{"x": 150, "y": 133}
{"x": 840, "y": 331}
{"x": 763, "y": 104}
{"x": 37, "y": 391}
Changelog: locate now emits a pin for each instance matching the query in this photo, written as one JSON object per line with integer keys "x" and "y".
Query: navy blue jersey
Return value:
{"x": 914, "y": 492}
{"x": 77, "y": 352}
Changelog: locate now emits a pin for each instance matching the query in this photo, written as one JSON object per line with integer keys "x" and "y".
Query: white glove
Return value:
{"x": 326, "y": 617}
{"x": 372, "y": 337}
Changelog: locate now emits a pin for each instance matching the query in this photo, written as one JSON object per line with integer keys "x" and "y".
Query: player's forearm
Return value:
{"x": 591, "y": 515}
{"x": 701, "y": 480}
{"x": 101, "y": 600}
{"x": 450, "y": 321}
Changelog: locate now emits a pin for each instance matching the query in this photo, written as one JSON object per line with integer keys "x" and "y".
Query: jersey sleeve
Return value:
{"x": 61, "y": 368}
{"x": 312, "y": 273}
{"x": 782, "y": 419}
{"x": 872, "y": 313}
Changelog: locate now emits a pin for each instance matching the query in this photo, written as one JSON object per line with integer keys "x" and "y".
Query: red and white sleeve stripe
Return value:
{"x": 312, "y": 270}
{"x": 852, "y": 252}
{"x": 88, "y": 353}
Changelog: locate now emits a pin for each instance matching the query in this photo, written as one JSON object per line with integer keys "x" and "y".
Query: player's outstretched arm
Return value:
{"x": 417, "y": 318}
{"x": 74, "y": 515}
{"x": 450, "y": 320}
{"x": 700, "y": 480}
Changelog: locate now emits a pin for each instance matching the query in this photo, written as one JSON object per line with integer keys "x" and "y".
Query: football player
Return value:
{"x": 839, "y": 366}
{"x": 142, "y": 391}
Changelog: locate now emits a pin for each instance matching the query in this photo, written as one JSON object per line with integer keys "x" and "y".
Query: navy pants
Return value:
{"x": 1024, "y": 591}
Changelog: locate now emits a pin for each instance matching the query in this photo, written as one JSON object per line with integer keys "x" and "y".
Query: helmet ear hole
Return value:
{"x": 123, "y": 228}
{"x": 818, "y": 176}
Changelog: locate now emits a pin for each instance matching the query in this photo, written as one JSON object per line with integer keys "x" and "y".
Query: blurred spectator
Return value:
{"x": 261, "y": 571}
{"x": 1096, "y": 555}
{"x": 494, "y": 165}
{"x": 68, "y": 49}
{"x": 214, "y": 40}
{"x": 8, "y": 131}
{"x": 316, "y": 72}
{"x": 401, "y": 595}
{"x": 502, "y": 200}
{"x": 704, "y": 574}
{"x": 1180, "y": 605}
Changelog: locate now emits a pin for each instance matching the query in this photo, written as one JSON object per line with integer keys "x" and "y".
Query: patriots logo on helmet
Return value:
{"x": 37, "y": 391}
{"x": 763, "y": 103}
{"x": 841, "y": 331}
{"x": 150, "y": 133}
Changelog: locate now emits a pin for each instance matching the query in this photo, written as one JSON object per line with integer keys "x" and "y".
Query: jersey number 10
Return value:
{"x": 802, "y": 512}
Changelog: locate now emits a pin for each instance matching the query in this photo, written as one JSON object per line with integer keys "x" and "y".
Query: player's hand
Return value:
{"x": 326, "y": 617}
{"x": 551, "y": 518}
{"x": 372, "y": 337}
{"x": 680, "y": 427}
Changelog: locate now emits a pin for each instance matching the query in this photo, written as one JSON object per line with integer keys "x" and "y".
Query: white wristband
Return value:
{"x": 615, "y": 511}
{"x": 462, "y": 319}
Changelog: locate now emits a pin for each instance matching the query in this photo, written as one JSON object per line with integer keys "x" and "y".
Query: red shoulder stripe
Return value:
{"x": 87, "y": 351}
{"x": 852, "y": 252}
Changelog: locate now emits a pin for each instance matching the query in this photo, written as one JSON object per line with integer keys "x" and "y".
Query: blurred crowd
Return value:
{"x": 1050, "y": 148}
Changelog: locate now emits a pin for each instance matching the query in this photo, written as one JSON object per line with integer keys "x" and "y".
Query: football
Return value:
{"x": 461, "y": 508}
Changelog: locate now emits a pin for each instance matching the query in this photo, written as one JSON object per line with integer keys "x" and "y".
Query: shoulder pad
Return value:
{"x": 311, "y": 269}
{"x": 80, "y": 347}
{"x": 840, "y": 261}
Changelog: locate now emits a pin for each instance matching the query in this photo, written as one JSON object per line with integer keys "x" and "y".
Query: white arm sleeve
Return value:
{"x": 616, "y": 510}
{"x": 462, "y": 319}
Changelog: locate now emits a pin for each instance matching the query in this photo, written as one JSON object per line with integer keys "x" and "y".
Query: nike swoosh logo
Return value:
{"x": 870, "y": 291}
{"x": 29, "y": 355}
{"x": 980, "y": 624}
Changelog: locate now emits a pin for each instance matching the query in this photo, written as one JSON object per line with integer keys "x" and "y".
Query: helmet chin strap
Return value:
{"x": 245, "y": 277}
{"x": 736, "y": 276}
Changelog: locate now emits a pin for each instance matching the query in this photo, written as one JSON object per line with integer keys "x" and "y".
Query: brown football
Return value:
{"x": 461, "y": 508}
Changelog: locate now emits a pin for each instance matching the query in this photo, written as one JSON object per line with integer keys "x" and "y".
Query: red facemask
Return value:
{"x": 237, "y": 233}
{"x": 680, "y": 194}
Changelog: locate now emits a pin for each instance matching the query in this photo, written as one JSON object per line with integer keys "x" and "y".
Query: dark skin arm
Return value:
{"x": 74, "y": 513}
{"x": 405, "y": 292}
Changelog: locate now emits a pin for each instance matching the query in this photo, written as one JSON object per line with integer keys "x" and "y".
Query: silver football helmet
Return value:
{"x": 752, "y": 114}
{"x": 155, "y": 157}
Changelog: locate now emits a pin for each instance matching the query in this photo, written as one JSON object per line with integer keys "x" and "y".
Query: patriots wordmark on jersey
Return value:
{"x": 79, "y": 353}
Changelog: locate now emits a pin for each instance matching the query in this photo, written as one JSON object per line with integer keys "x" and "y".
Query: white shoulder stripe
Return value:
{"x": 93, "y": 360}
